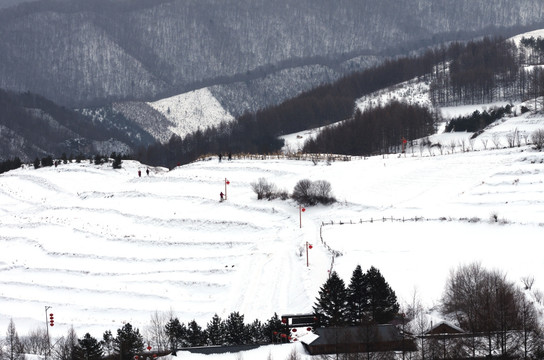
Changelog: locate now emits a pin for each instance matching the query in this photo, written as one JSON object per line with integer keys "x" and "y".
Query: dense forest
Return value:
{"x": 478, "y": 71}
{"x": 377, "y": 130}
{"x": 81, "y": 53}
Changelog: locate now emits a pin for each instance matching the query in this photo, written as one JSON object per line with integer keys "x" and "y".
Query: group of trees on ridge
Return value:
{"x": 475, "y": 72}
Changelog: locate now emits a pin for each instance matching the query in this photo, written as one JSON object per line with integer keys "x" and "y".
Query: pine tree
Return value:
{"x": 382, "y": 305}
{"x": 195, "y": 336}
{"x": 215, "y": 331}
{"x": 88, "y": 348}
{"x": 235, "y": 329}
{"x": 128, "y": 342}
{"x": 256, "y": 332}
{"x": 274, "y": 328}
{"x": 176, "y": 333}
{"x": 331, "y": 306}
{"x": 358, "y": 297}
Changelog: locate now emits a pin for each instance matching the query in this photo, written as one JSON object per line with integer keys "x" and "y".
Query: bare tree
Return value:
{"x": 495, "y": 138}
{"x": 263, "y": 189}
{"x": 452, "y": 146}
{"x": 155, "y": 332}
{"x": 36, "y": 342}
{"x": 484, "y": 142}
{"x": 13, "y": 348}
{"x": 65, "y": 346}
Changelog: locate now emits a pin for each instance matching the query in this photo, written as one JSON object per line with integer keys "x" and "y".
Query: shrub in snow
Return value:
{"x": 264, "y": 189}
{"x": 537, "y": 138}
{"x": 309, "y": 192}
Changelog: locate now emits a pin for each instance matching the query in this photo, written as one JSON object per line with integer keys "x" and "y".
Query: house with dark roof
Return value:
{"x": 358, "y": 339}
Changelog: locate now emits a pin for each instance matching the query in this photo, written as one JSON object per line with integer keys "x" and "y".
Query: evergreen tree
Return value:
{"x": 274, "y": 328}
{"x": 116, "y": 160}
{"x": 331, "y": 306}
{"x": 88, "y": 348}
{"x": 13, "y": 347}
{"x": 256, "y": 332}
{"x": 382, "y": 304}
{"x": 358, "y": 297}
{"x": 215, "y": 331}
{"x": 36, "y": 163}
{"x": 128, "y": 342}
{"x": 176, "y": 333}
{"x": 235, "y": 330}
{"x": 195, "y": 335}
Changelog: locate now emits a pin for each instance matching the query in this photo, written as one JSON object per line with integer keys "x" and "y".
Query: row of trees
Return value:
{"x": 230, "y": 331}
{"x": 128, "y": 341}
{"x": 368, "y": 299}
{"x": 306, "y": 192}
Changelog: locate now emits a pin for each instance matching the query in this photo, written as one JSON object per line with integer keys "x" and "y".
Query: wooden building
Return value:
{"x": 358, "y": 339}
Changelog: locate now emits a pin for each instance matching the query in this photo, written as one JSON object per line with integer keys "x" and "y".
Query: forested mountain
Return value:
{"x": 482, "y": 71}
{"x": 32, "y": 126}
{"x": 79, "y": 52}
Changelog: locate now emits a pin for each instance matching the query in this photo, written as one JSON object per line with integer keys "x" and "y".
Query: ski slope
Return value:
{"x": 104, "y": 247}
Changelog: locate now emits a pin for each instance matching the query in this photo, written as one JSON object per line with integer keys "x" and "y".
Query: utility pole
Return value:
{"x": 47, "y": 332}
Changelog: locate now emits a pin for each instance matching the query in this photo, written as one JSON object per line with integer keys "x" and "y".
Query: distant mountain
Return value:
{"x": 32, "y": 126}
{"x": 80, "y": 53}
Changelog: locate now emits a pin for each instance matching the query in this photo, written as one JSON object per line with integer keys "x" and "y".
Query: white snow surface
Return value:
{"x": 192, "y": 110}
{"x": 104, "y": 247}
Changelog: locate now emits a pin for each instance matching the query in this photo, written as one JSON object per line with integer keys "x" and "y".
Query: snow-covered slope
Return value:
{"x": 193, "y": 110}
{"x": 104, "y": 247}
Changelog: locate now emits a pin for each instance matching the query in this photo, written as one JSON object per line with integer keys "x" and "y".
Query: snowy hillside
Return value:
{"x": 193, "y": 110}
{"x": 104, "y": 246}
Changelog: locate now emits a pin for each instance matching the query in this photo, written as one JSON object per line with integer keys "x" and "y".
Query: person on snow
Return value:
{"x": 221, "y": 195}
{"x": 139, "y": 173}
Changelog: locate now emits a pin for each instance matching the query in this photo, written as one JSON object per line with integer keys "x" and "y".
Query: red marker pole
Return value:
{"x": 300, "y": 211}
{"x": 307, "y": 261}
{"x": 226, "y": 183}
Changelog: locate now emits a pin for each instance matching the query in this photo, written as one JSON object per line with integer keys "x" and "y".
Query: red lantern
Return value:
{"x": 275, "y": 333}
{"x": 228, "y": 182}
{"x": 295, "y": 339}
{"x": 294, "y": 330}
{"x": 289, "y": 338}
{"x": 136, "y": 357}
{"x": 310, "y": 246}
{"x": 283, "y": 335}
{"x": 309, "y": 329}
{"x": 148, "y": 347}
{"x": 51, "y": 320}
{"x": 303, "y": 209}
{"x": 284, "y": 320}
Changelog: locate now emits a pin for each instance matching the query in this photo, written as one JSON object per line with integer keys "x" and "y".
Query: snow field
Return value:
{"x": 104, "y": 247}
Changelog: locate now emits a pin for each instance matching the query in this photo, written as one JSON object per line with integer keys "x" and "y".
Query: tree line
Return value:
{"x": 494, "y": 317}
{"x": 376, "y": 130}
